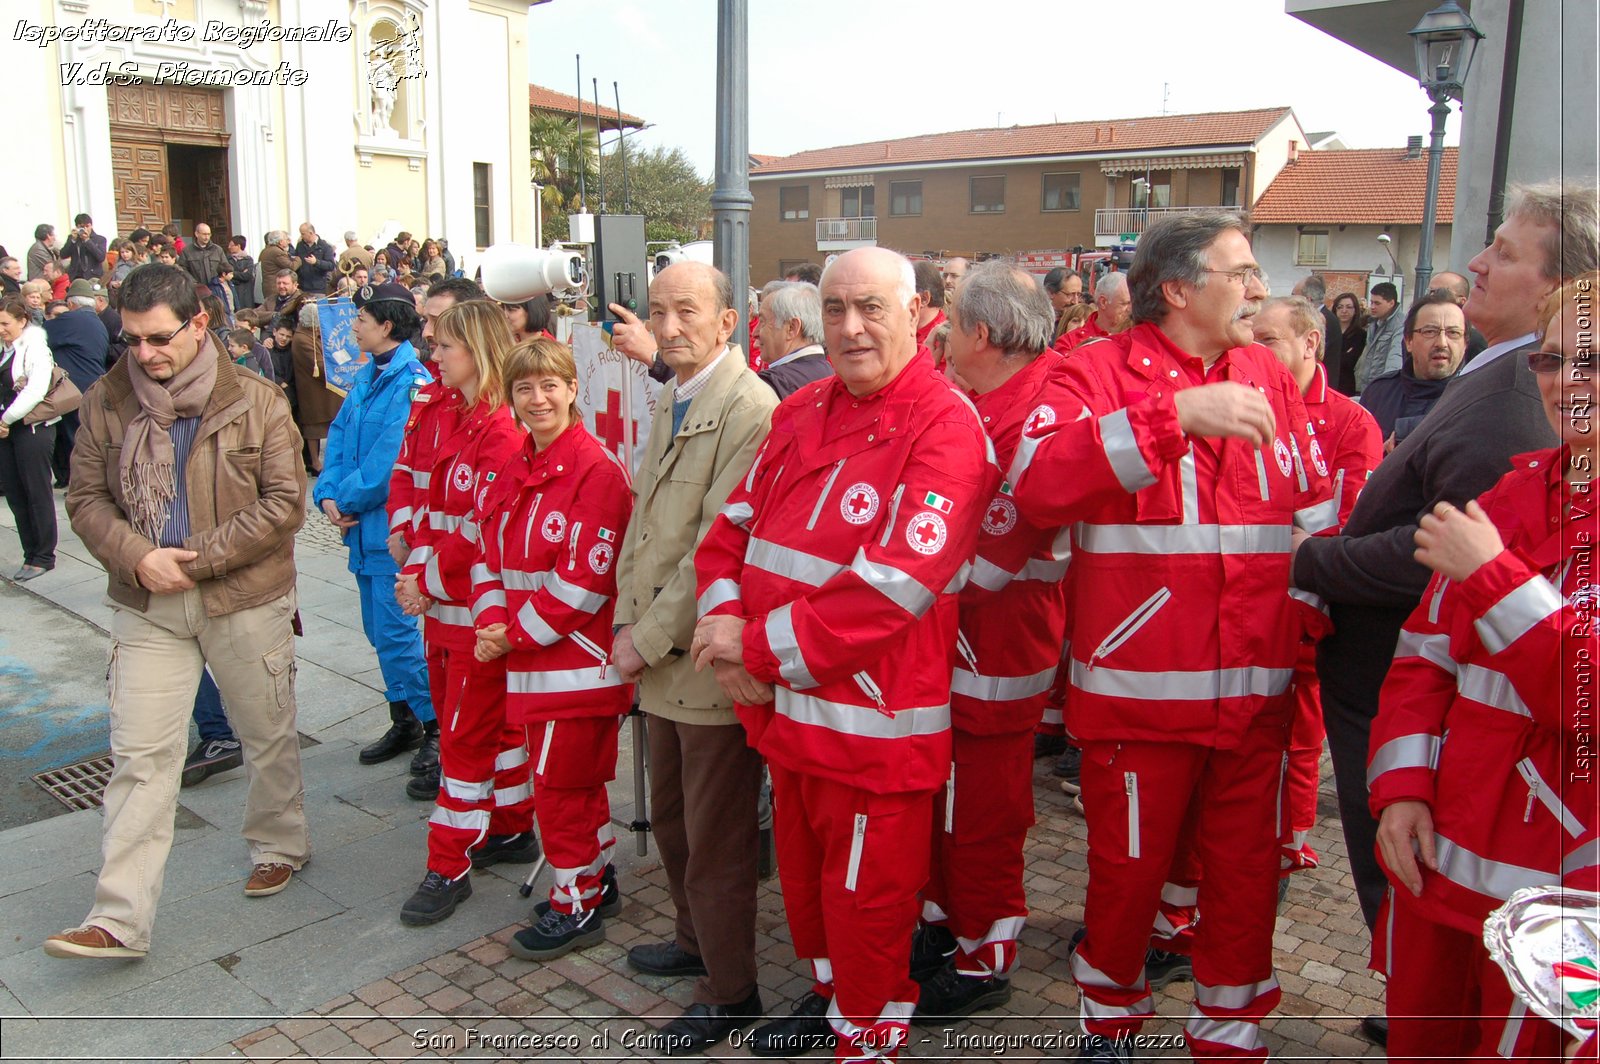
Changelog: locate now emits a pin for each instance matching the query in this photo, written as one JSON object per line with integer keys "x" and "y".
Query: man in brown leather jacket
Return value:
{"x": 188, "y": 487}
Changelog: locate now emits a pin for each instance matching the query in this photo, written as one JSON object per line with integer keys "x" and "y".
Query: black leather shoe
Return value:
{"x": 521, "y": 848}
{"x": 426, "y": 759}
{"x": 1048, "y": 745}
{"x": 401, "y": 736}
{"x": 703, "y": 1026}
{"x": 948, "y": 995}
{"x": 1376, "y": 1028}
{"x": 804, "y": 1029}
{"x": 435, "y": 899}
{"x": 932, "y": 947}
{"x": 664, "y": 958}
{"x": 424, "y": 788}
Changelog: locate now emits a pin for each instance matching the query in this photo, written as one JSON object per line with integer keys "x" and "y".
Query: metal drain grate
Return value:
{"x": 78, "y": 786}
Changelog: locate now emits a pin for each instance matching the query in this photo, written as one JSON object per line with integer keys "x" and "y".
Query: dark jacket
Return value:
{"x": 84, "y": 258}
{"x": 1368, "y": 575}
{"x": 790, "y": 377}
{"x": 1399, "y": 401}
{"x": 244, "y": 282}
{"x": 113, "y": 323}
{"x": 314, "y": 275}
{"x": 203, "y": 263}
{"x": 1332, "y": 345}
{"x": 1351, "y": 345}
{"x": 79, "y": 343}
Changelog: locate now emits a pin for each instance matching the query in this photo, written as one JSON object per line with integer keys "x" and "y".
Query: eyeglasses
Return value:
{"x": 1431, "y": 332}
{"x": 1551, "y": 362}
{"x": 158, "y": 340}
{"x": 1244, "y": 274}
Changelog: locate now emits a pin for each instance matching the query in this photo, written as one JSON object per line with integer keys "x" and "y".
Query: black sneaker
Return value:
{"x": 424, "y": 788}
{"x": 932, "y": 947}
{"x": 211, "y": 756}
{"x": 1108, "y": 1050}
{"x": 520, "y": 848}
{"x": 610, "y": 896}
{"x": 426, "y": 759}
{"x": 435, "y": 899}
{"x": 804, "y": 1029}
{"x": 558, "y": 934}
{"x": 1161, "y": 968}
{"x": 947, "y": 995}
{"x": 1066, "y": 767}
{"x": 1048, "y": 745}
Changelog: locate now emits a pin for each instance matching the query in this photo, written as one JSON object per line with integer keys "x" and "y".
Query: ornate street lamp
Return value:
{"x": 1445, "y": 40}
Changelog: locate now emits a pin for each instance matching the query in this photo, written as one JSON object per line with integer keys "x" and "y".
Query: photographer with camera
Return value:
{"x": 85, "y": 251}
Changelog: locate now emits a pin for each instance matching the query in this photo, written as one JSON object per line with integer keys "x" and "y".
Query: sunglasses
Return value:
{"x": 158, "y": 340}
{"x": 1551, "y": 362}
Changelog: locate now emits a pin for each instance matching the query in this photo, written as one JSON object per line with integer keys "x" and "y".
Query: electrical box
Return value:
{"x": 618, "y": 274}
{"x": 580, "y": 229}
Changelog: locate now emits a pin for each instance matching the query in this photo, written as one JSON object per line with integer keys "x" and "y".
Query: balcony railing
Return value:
{"x": 842, "y": 234}
{"x": 1131, "y": 221}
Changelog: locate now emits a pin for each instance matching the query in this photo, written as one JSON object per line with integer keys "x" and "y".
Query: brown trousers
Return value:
{"x": 704, "y": 782}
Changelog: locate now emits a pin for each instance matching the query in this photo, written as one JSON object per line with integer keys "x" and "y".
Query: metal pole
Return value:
{"x": 731, "y": 201}
{"x": 1430, "y": 202}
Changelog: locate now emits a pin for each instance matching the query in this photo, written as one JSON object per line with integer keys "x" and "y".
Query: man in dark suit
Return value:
{"x": 1489, "y": 412}
{"x": 85, "y": 250}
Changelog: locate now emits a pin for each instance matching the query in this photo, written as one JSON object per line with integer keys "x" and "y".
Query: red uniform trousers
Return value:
{"x": 1144, "y": 801}
{"x": 1306, "y": 733}
{"x": 1446, "y": 999}
{"x": 483, "y": 764}
{"x": 851, "y": 864}
{"x": 573, "y": 760}
{"x": 1052, "y": 721}
{"x": 981, "y": 823}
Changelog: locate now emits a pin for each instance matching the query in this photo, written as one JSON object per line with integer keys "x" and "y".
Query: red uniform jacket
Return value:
{"x": 1014, "y": 609}
{"x": 1087, "y": 331}
{"x": 925, "y": 331}
{"x": 1182, "y": 624}
{"x": 434, "y": 412}
{"x": 1348, "y": 446}
{"x": 844, "y": 547}
{"x": 468, "y": 461}
{"x": 1478, "y": 713}
{"x": 551, "y": 528}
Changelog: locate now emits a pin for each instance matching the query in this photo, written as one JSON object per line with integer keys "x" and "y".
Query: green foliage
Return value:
{"x": 664, "y": 187}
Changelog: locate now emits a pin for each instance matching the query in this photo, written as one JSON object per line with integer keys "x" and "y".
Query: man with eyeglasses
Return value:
{"x": 1436, "y": 340}
{"x": 1180, "y": 454}
{"x": 1489, "y": 412}
{"x": 187, "y": 486}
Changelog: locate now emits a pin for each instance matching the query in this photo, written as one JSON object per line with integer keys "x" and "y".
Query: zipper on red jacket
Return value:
{"x": 964, "y": 647}
{"x": 1261, "y": 475}
{"x": 1130, "y": 787}
{"x": 593, "y": 648}
{"x": 1131, "y": 625}
{"x": 894, "y": 512}
{"x": 872, "y": 691}
{"x": 827, "y": 486}
{"x": 572, "y": 546}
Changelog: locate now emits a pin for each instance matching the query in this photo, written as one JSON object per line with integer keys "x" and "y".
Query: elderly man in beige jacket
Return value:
{"x": 704, "y": 777}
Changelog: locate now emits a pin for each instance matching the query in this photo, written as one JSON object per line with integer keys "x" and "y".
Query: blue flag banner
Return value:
{"x": 341, "y": 359}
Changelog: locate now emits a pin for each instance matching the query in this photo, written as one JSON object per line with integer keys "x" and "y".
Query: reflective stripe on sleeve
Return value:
{"x": 739, "y": 513}
{"x": 1490, "y": 688}
{"x": 790, "y": 564}
{"x": 1518, "y": 612}
{"x": 487, "y": 601}
{"x": 1122, "y": 451}
{"x": 1498, "y": 879}
{"x": 1434, "y": 649}
{"x": 896, "y": 585}
{"x": 1318, "y": 517}
{"x": 536, "y": 626}
{"x": 579, "y": 598}
{"x": 719, "y": 592}
{"x": 1419, "y": 750}
{"x": 785, "y": 647}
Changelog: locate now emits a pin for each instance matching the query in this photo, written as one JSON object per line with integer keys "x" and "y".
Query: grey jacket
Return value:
{"x": 1385, "y": 349}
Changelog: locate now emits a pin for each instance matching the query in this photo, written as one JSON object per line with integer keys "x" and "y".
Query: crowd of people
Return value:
{"x": 932, "y": 524}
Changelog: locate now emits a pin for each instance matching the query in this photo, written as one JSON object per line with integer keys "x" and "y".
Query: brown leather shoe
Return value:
{"x": 88, "y": 941}
{"x": 267, "y": 879}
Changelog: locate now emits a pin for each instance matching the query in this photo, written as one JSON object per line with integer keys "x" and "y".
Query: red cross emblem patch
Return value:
{"x": 554, "y": 527}
{"x": 1000, "y": 517}
{"x": 926, "y": 533}
{"x": 859, "y": 504}
{"x": 1041, "y": 416}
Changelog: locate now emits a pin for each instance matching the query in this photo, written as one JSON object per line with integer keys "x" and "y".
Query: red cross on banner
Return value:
{"x": 611, "y": 426}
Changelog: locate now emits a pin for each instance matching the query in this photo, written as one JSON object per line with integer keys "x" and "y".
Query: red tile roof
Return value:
{"x": 543, "y": 99}
{"x": 1103, "y": 137}
{"x": 1377, "y": 186}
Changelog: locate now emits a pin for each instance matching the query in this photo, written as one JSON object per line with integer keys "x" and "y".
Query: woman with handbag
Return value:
{"x": 26, "y": 442}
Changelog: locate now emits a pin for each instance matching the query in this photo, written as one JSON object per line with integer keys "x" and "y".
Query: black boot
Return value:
{"x": 426, "y": 759}
{"x": 404, "y": 732}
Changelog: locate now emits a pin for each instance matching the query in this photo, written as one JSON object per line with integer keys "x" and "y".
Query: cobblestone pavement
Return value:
{"x": 480, "y": 1003}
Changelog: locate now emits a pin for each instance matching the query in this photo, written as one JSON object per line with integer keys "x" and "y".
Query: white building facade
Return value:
{"x": 253, "y": 115}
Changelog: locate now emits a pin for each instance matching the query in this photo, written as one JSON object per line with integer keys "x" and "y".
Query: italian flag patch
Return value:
{"x": 937, "y": 501}
{"x": 606, "y": 534}
{"x": 1005, "y": 487}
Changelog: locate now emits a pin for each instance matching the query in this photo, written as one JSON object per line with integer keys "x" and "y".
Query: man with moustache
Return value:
{"x": 1436, "y": 338}
{"x": 1178, "y": 450}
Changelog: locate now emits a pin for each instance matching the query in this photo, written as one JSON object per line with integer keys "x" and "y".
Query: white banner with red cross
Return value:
{"x": 616, "y": 394}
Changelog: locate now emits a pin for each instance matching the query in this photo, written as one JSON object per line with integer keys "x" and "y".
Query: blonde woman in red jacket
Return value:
{"x": 1480, "y": 770}
{"x": 484, "y": 812}
{"x": 544, "y": 594}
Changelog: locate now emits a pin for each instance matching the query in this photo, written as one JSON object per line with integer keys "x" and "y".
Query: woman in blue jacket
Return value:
{"x": 363, "y": 443}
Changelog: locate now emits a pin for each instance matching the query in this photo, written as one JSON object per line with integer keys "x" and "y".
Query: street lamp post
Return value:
{"x": 1444, "y": 40}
